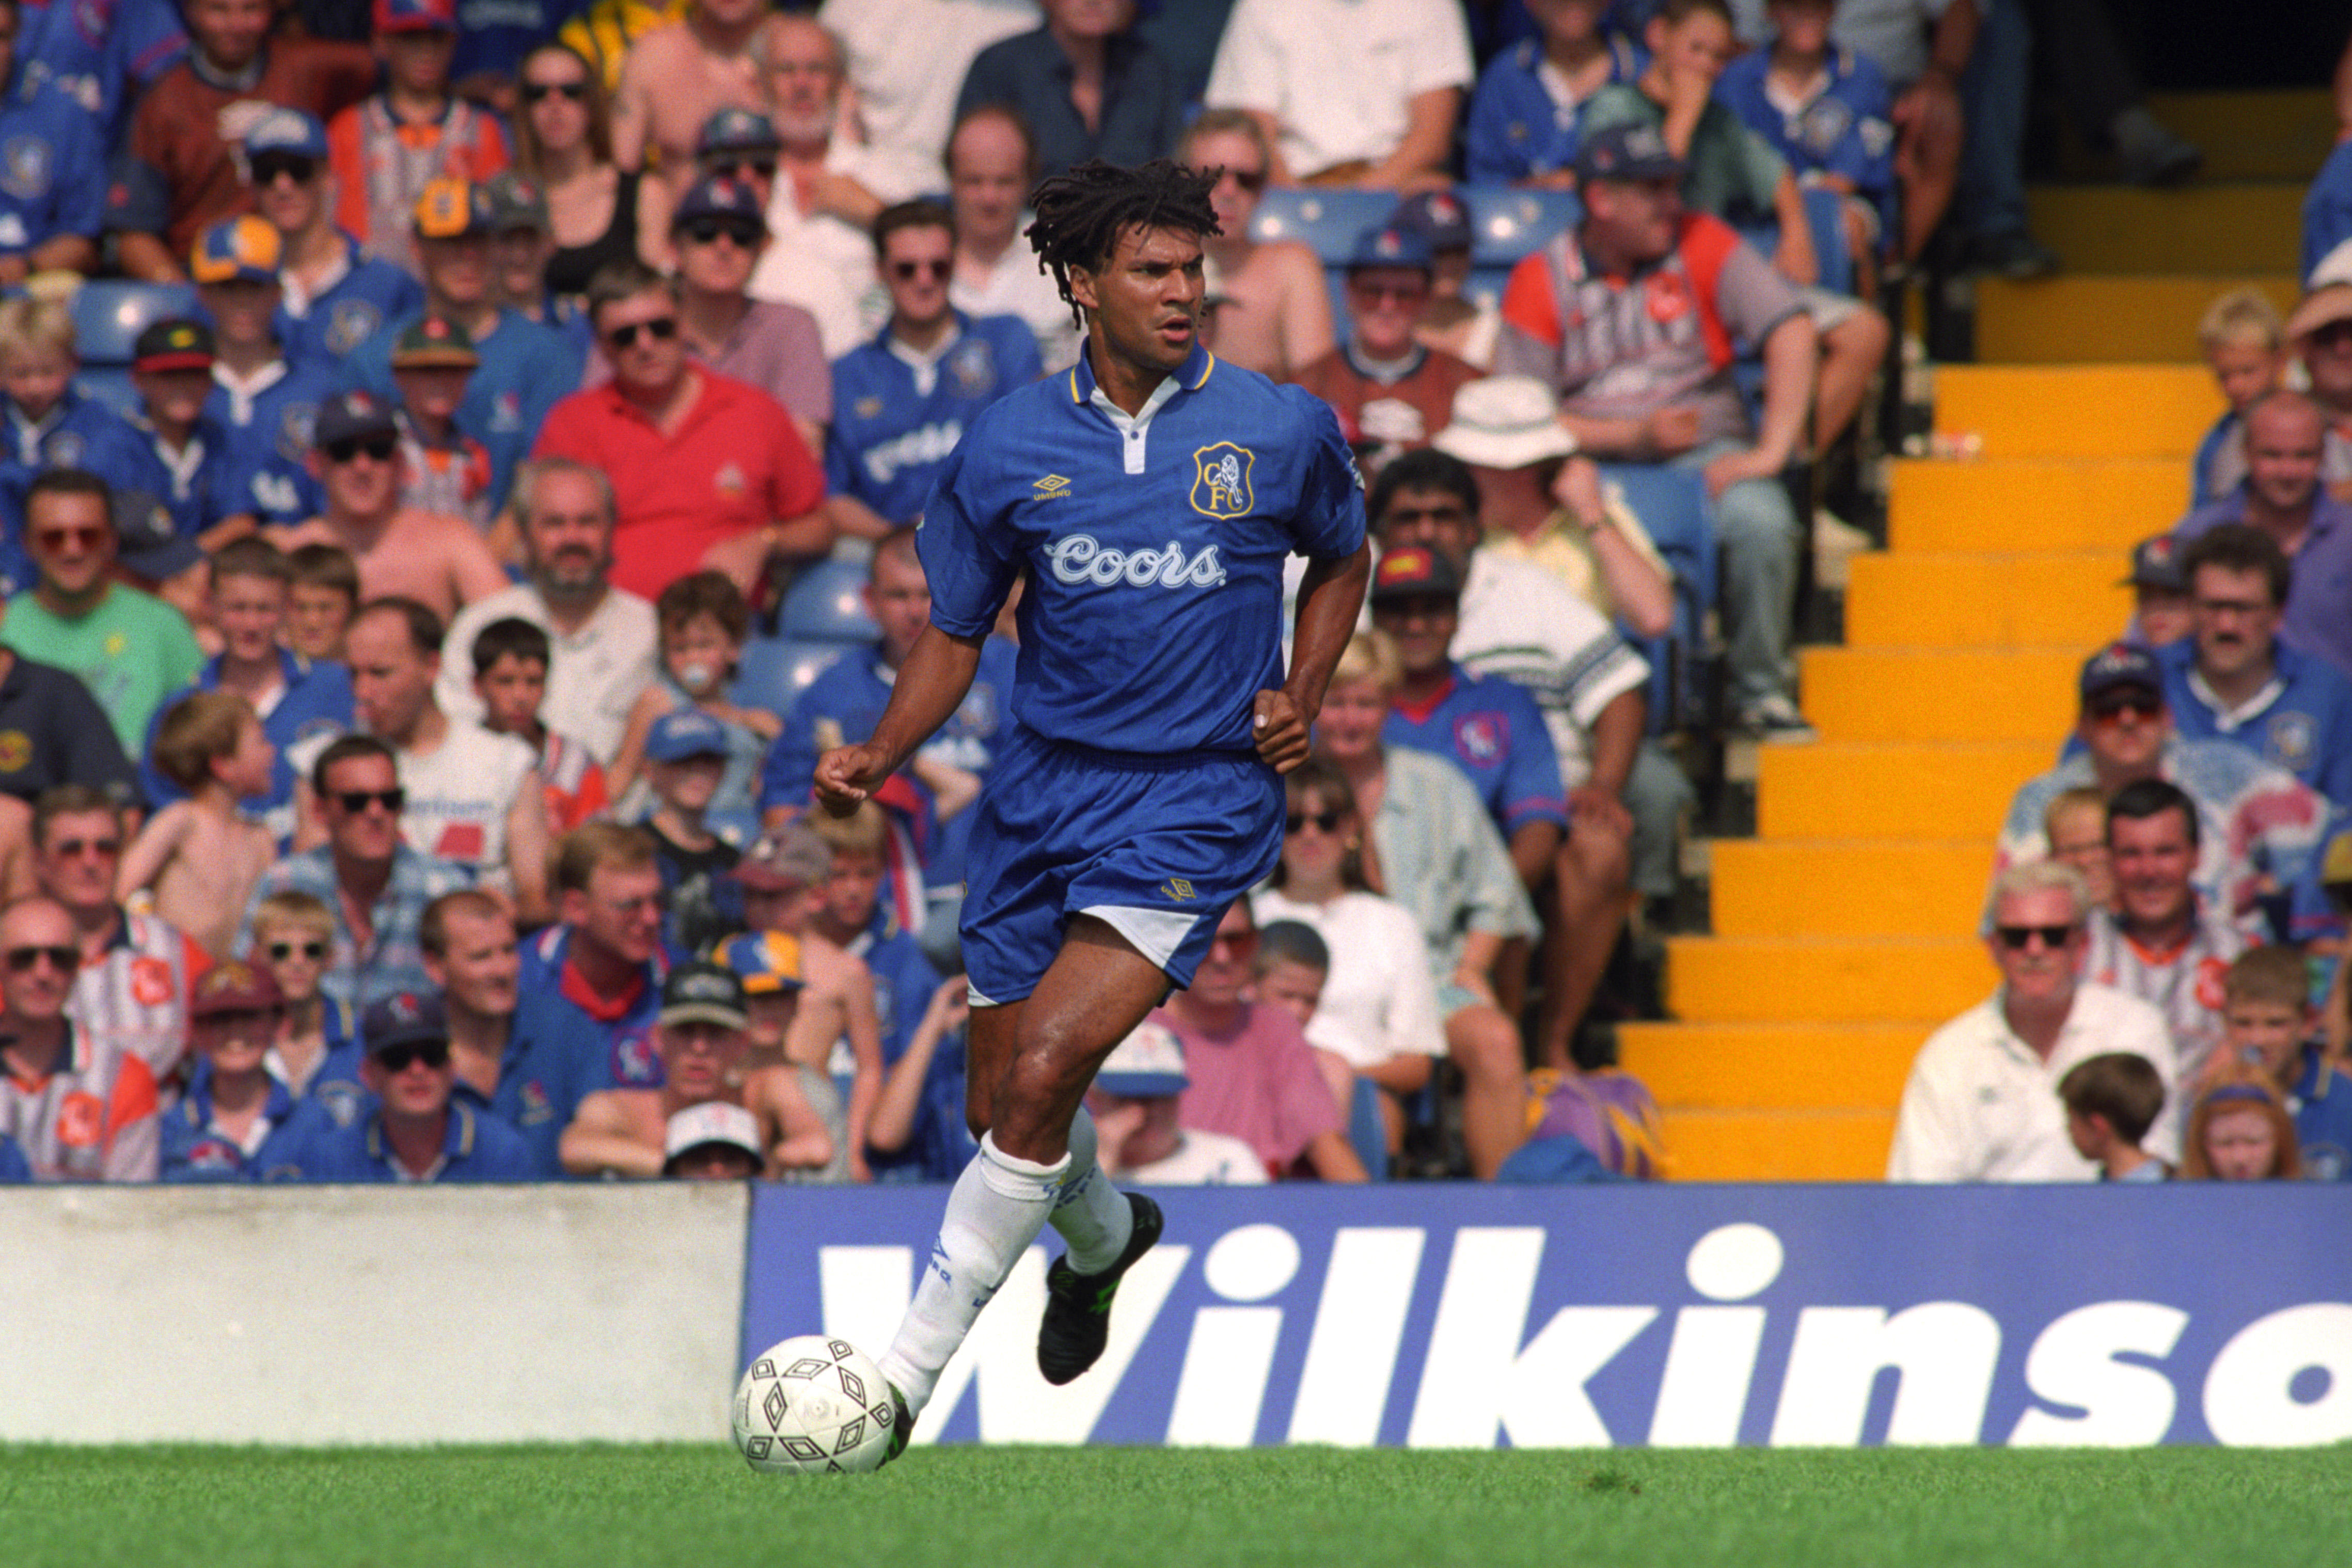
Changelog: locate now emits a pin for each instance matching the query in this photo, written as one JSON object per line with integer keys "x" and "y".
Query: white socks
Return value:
{"x": 1092, "y": 1215}
{"x": 998, "y": 1207}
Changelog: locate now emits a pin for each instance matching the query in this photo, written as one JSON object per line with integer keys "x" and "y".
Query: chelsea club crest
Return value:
{"x": 1221, "y": 480}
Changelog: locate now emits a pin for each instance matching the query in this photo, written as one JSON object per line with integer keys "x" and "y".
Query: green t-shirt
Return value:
{"x": 1733, "y": 171}
{"x": 131, "y": 652}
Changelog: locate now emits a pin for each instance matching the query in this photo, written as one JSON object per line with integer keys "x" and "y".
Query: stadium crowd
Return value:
{"x": 421, "y": 634}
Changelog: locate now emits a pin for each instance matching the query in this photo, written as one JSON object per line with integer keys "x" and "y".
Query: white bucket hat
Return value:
{"x": 1504, "y": 421}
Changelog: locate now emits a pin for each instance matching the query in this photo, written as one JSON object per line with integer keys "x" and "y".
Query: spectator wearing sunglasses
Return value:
{"x": 903, "y": 401}
{"x": 1275, "y": 316}
{"x": 317, "y": 1053}
{"x": 1391, "y": 393}
{"x": 1982, "y": 1103}
{"x": 80, "y": 1107}
{"x": 333, "y": 296}
{"x": 564, "y": 140}
{"x": 375, "y": 885}
{"x": 708, "y": 474}
{"x": 2258, "y": 828}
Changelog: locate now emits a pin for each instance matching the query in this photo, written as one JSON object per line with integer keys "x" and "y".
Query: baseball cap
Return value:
{"x": 1437, "y": 216}
{"x": 2156, "y": 563}
{"x": 287, "y": 130}
{"x": 2120, "y": 664}
{"x": 174, "y": 343}
{"x": 451, "y": 208}
{"x": 352, "y": 417}
{"x": 703, "y": 992}
{"x": 684, "y": 732}
{"x": 1391, "y": 245}
{"x": 2327, "y": 303}
{"x": 718, "y": 197}
{"x": 1149, "y": 1061}
{"x": 517, "y": 201}
{"x": 242, "y": 250}
{"x": 233, "y": 986}
{"x": 792, "y": 857}
{"x": 146, "y": 542}
{"x": 415, "y": 16}
{"x": 1627, "y": 153}
{"x": 736, "y": 131}
{"x": 712, "y": 1121}
{"x": 1413, "y": 571}
{"x": 404, "y": 1017}
{"x": 434, "y": 342}
{"x": 766, "y": 961}
{"x": 1504, "y": 421}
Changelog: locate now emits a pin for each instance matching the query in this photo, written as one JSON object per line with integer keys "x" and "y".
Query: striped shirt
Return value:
{"x": 394, "y": 959}
{"x": 91, "y": 1118}
{"x": 136, "y": 998}
{"x": 2184, "y": 984}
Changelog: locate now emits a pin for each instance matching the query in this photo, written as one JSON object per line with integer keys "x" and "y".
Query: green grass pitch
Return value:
{"x": 1100, "y": 1508}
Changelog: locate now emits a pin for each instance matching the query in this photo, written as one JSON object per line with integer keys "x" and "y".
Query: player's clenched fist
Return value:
{"x": 1280, "y": 731}
{"x": 846, "y": 775}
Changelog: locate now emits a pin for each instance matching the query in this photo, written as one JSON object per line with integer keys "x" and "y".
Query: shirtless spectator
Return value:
{"x": 990, "y": 172}
{"x": 1276, "y": 317}
{"x": 1390, "y": 392}
{"x": 675, "y": 78}
{"x": 1348, "y": 92}
{"x": 184, "y": 171}
{"x": 438, "y": 560}
{"x": 701, "y": 1034}
{"x": 199, "y": 853}
{"x": 80, "y": 1107}
{"x": 471, "y": 795}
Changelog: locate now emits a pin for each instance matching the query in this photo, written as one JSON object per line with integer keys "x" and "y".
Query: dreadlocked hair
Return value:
{"x": 1082, "y": 212}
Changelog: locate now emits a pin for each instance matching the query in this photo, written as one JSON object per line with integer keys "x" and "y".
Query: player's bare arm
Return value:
{"x": 1330, "y": 596}
{"x": 930, "y": 686}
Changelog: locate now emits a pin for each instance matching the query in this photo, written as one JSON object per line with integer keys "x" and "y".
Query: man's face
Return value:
{"x": 361, "y": 475}
{"x": 1567, "y": 21}
{"x": 853, "y": 888}
{"x": 1349, "y": 725}
{"x": 36, "y": 377}
{"x": 621, "y": 910}
{"x": 898, "y": 597}
{"x": 2245, "y": 371}
{"x": 76, "y": 861}
{"x": 2124, "y": 728}
{"x": 392, "y": 679}
{"x": 412, "y": 1080}
{"x": 803, "y": 80}
{"x": 172, "y": 398}
{"x": 38, "y": 957}
{"x": 2327, "y": 356}
{"x": 2152, "y": 858}
{"x": 568, "y": 541}
{"x": 229, "y": 31}
{"x": 2284, "y": 443}
{"x": 289, "y": 190}
{"x": 2039, "y": 970}
{"x": 1637, "y": 218}
{"x": 2236, "y": 621}
{"x": 1424, "y": 627}
{"x": 687, "y": 784}
{"x": 241, "y": 310}
{"x": 1241, "y": 178}
{"x": 1433, "y": 519}
{"x": 457, "y": 271}
{"x": 1089, "y": 18}
{"x": 714, "y": 1162}
{"x": 362, "y": 808}
{"x": 511, "y": 690}
{"x": 698, "y": 1056}
{"x": 1385, "y": 303}
{"x": 716, "y": 254}
{"x": 1294, "y": 988}
{"x": 72, "y": 544}
{"x": 1224, "y": 971}
{"x": 480, "y": 967}
{"x": 315, "y": 620}
{"x": 988, "y": 176}
{"x": 1700, "y": 45}
{"x": 776, "y": 908}
{"x": 640, "y": 335}
{"x": 236, "y": 1041}
{"x": 2241, "y": 1145}
{"x": 1146, "y": 301}
{"x": 916, "y": 266}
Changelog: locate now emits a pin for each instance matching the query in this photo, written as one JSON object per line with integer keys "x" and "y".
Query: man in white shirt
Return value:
{"x": 604, "y": 642}
{"x": 908, "y": 59}
{"x": 1982, "y": 1101}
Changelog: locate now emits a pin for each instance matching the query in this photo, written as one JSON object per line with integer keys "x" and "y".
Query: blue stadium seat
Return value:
{"x": 110, "y": 384}
{"x": 1328, "y": 221}
{"x": 109, "y": 314}
{"x": 1365, "y": 1131}
{"x": 1485, "y": 284}
{"x": 1506, "y": 223}
{"x": 775, "y": 670}
{"x": 827, "y": 603}
{"x": 1673, "y": 506}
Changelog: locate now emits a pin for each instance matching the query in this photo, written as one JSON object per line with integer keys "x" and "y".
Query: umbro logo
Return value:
{"x": 1177, "y": 888}
{"x": 1052, "y": 488}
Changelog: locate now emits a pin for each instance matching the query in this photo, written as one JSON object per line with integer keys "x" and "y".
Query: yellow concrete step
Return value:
{"x": 1941, "y": 792}
{"x": 2076, "y": 319}
{"x": 1847, "y": 887}
{"x": 2137, "y": 411}
{"x": 1907, "y": 600}
{"x": 1771, "y": 1066}
{"x": 1962, "y": 694}
{"x": 2034, "y": 504}
{"x": 1747, "y": 1145}
{"x": 2267, "y": 135}
{"x": 2196, "y": 231}
{"x": 1888, "y": 980}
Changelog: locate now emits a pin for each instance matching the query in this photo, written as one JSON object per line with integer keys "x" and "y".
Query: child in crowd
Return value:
{"x": 2241, "y": 1132}
{"x": 1294, "y": 963}
{"x": 233, "y": 1103}
{"x": 320, "y": 602}
{"x": 442, "y": 468}
{"x": 1523, "y": 119}
{"x": 200, "y": 854}
{"x": 769, "y": 965}
{"x": 261, "y": 399}
{"x": 511, "y": 662}
{"x": 385, "y": 148}
{"x": 2112, "y": 1100}
{"x": 183, "y": 451}
{"x": 2160, "y": 611}
{"x": 703, "y": 620}
{"x": 2076, "y": 822}
{"x": 2245, "y": 344}
{"x": 2269, "y": 1025}
{"x": 317, "y": 1050}
{"x": 48, "y": 423}
{"x": 686, "y": 755}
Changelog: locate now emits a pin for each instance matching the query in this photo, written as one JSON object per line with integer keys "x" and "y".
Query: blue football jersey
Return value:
{"x": 1154, "y": 545}
{"x": 893, "y": 426}
{"x": 354, "y": 307}
{"x": 263, "y": 471}
{"x": 1491, "y": 729}
{"x": 52, "y": 168}
{"x": 526, "y": 369}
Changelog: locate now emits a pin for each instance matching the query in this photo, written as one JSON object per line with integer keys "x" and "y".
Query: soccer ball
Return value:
{"x": 813, "y": 1406}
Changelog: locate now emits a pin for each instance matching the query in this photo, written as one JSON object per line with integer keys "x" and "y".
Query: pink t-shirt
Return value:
{"x": 1258, "y": 1083}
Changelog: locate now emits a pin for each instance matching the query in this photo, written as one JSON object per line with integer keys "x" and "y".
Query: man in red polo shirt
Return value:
{"x": 707, "y": 472}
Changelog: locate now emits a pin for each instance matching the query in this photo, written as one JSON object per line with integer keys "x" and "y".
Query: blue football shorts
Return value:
{"x": 1156, "y": 847}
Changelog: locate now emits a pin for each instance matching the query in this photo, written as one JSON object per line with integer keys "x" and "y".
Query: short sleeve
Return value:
{"x": 1329, "y": 521}
{"x": 967, "y": 551}
{"x": 1750, "y": 298}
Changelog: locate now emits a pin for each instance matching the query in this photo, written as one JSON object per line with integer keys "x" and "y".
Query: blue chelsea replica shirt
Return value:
{"x": 52, "y": 168}
{"x": 1155, "y": 547}
{"x": 896, "y": 418}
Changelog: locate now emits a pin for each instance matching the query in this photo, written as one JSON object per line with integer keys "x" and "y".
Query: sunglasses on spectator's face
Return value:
{"x": 268, "y": 166}
{"x": 88, "y": 537}
{"x": 379, "y": 447}
{"x": 2015, "y": 937}
{"x": 533, "y": 91}
{"x": 1326, "y": 822}
{"x": 1378, "y": 293}
{"x": 727, "y": 168}
{"x": 708, "y": 231}
{"x": 75, "y": 849}
{"x": 399, "y": 1058}
{"x": 660, "y": 329}
{"x": 279, "y": 952}
{"x": 64, "y": 960}
{"x": 2142, "y": 706}
{"x": 904, "y": 271}
{"x": 354, "y": 801}
{"x": 2335, "y": 335}
{"x": 1247, "y": 179}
